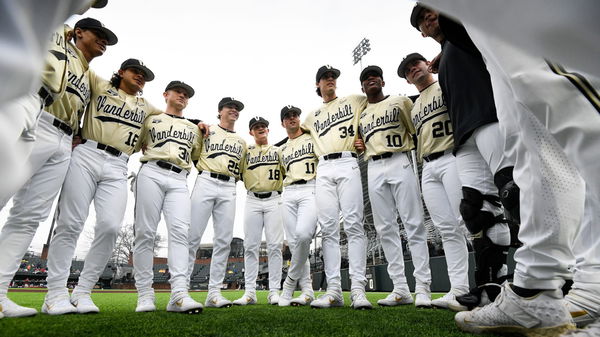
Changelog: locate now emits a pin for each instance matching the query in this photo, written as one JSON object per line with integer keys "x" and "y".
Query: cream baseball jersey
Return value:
{"x": 71, "y": 105}
{"x": 261, "y": 171}
{"x": 432, "y": 123}
{"x": 298, "y": 159}
{"x": 114, "y": 117}
{"x": 385, "y": 126}
{"x": 170, "y": 138}
{"x": 221, "y": 152}
{"x": 55, "y": 68}
{"x": 334, "y": 126}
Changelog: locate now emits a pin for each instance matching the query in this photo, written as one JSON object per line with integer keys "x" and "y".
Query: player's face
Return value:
{"x": 291, "y": 122}
{"x": 428, "y": 23}
{"x": 327, "y": 83}
{"x": 260, "y": 132}
{"x": 229, "y": 113}
{"x": 177, "y": 97}
{"x": 372, "y": 84}
{"x": 91, "y": 42}
{"x": 416, "y": 71}
{"x": 132, "y": 80}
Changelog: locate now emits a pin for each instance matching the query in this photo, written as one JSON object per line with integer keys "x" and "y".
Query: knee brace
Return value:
{"x": 476, "y": 219}
{"x": 489, "y": 260}
{"x": 509, "y": 194}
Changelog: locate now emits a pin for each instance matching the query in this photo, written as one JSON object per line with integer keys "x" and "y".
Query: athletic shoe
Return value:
{"x": 359, "y": 300}
{"x": 328, "y": 300}
{"x": 273, "y": 297}
{"x": 285, "y": 299}
{"x": 247, "y": 299}
{"x": 423, "y": 300}
{"x": 592, "y": 330}
{"x": 582, "y": 308}
{"x": 9, "y": 308}
{"x": 145, "y": 303}
{"x": 304, "y": 299}
{"x": 544, "y": 314}
{"x": 396, "y": 298}
{"x": 84, "y": 304}
{"x": 58, "y": 305}
{"x": 216, "y": 300}
{"x": 183, "y": 303}
{"x": 448, "y": 301}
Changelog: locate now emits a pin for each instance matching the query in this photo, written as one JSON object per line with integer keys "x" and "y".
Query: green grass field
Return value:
{"x": 117, "y": 318}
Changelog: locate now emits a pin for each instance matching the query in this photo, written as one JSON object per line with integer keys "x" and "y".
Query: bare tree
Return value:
{"x": 123, "y": 251}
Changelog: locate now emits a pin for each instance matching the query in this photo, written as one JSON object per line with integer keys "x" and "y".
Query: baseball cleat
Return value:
{"x": 422, "y": 300}
{"x": 184, "y": 304}
{"x": 304, "y": 299}
{"x": 448, "y": 301}
{"x": 592, "y": 330}
{"x": 60, "y": 305}
{"x": 247, "y": 299}
{"x": 145, "y": 303}
{"x": 9, "y": 308}
{"x": 84, "y": 304}
{"x": 328, "y": 300}
{"x": 582, "y": 307}
{"x": 359, "y": 300}
{"x": 216, "y": 300}
{"x": 273, "y": 297}
{"x": 396, "y": 298}
{"x": 544, "y": 314}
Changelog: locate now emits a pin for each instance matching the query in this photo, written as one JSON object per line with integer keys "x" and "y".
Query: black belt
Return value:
{"x": 299, "y": 182}
{"x": 109, "y": 149}
{"x": 63, "y": 126}
{"x": 337, "y": 155}
{"x": 434, "y": 156}
{"x": 382, "y": 156}
{"x": 219, "y": 176}
{"x": 46, "y": 96}
{"x": 168, "y": 166}
{"x": 264, "y": 195}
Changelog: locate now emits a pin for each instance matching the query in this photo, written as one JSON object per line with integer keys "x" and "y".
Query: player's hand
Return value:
{"x": 434, "y": 65}
{"x": 359, "y": 145}
{"x": 76, "y": 141}
{"x": 204, "y": 129}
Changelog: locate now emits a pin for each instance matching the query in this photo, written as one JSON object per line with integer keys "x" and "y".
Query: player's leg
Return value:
{"x": 202, "y": 201}
{"x": 149, "y": 198}
{"x": 306, "y": 226}
{"x": 254, "y": 218}
{"x": 274, "y": 236}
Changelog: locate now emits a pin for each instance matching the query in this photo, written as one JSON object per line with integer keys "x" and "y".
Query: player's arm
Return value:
{"x": 196, "y": 149}
{"x": 141, "y": 143}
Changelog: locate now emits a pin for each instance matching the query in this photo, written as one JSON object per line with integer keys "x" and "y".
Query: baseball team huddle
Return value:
{"x": 497, "y": 162}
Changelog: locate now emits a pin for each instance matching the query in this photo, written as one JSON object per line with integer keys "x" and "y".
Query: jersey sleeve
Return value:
{"x": 407, "y": 106}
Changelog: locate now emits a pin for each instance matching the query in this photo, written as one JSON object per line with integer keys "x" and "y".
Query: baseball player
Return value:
{"x": 221, "y": 156}
{"x": 263, "y": 178}
{"x": 51, "y": 153}
{"x": 387, "y": 139}
{"x": 170, "y": 141}
{"x": 440, "y": 183}
{"x": 299, "y": 161}
{"x": 334, "y": 127}
{"x": 97, "y": 172}
{"x": 479, "y": 149}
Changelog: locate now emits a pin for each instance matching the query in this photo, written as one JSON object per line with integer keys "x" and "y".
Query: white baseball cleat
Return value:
{"x": 183, "y": 303}
{"x": 216, "y": 300}
{"x": 247, "y": 299}
{"x": 359, "y": 300}
{"x": 592, "y": 330}
{"x": 9, "y": 308}
{"x": 84, "y": 304}
{"x": 273, "y": 297}
{"x": 544, "y": 314}
{"x": 304, "y": 299}
{"x": 59, "y": 305}
{"x": 582, "y": 307}
{"x": 328, "y": 300}
{"x": 285, "y": 299}
{"x": 423, "y": 300}
{"x": 145, "y": 303}
{"x": 448, "y": 301}
{"x": 396, "y": 298}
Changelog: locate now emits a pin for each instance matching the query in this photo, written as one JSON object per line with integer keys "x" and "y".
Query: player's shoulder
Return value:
{"x": 354, "y": 99}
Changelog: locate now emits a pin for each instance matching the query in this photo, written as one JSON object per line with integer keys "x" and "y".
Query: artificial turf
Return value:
{"x": 117, "y": 318}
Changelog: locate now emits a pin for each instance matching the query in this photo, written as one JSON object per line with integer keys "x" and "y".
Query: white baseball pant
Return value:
{"x": 300, "y": 223}
{"x": 393, "y": 187}
{"x": 442, "y": 194}
{"x": 161, "y": 190}
{"x": 94, "y": 175}
{"x": 586, "y": 247}
{"x": 258, "y": 214}
{"x": 33, "y": 202}
{"x": 339, "y": 188}
{"x": 211, "y": 196}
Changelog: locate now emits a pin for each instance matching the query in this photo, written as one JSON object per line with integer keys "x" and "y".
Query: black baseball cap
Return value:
{"x": 99, "y": 3}
{"x": 184, "y": 86}
{"x": 135, "y": 63}
{"x": 414, "y": 16}
{"x": 406, "y": 61}
{"x": 325, "y": 69}
{"x": 231, "y": 101}
{"x": 375, "y": 70}
{"x": 257, "y": 120}
{"x": 89, "y": 23}
{"x": 289, "y": 108}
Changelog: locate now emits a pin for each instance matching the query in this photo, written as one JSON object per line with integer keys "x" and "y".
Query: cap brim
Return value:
{"x": 414, "y": 16}
{"x": 266, "y": 123}
{"x": 99, "y": 3}
{"x": 298, "y": 111}
{"x": 111, "y": 38}
{"x": 335, "y": 72}
{"x": 190, "y": 91}
{"x": 237, "y": 103}
{"x": 370, "y": 70}
{"x": 148, "y": 74}
{"x": 406, "y": 62}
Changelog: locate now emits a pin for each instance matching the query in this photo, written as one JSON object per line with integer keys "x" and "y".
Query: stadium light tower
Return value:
{"x": 361, "y": 50}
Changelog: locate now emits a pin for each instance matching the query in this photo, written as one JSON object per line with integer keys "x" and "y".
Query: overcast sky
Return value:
{"x": 263, "y": 53}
